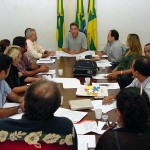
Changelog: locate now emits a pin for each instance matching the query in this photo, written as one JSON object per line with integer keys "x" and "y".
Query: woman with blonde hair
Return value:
{"x": 123, "y": 71}
{"x": 15, "y": 79}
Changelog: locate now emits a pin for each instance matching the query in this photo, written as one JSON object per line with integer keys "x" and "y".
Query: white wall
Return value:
{"x": 127, "y": 16}
{"x": 17, "y": 15}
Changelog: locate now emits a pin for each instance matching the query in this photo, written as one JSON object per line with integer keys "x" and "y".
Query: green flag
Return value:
{"x": 60, "y": 24}
{"x": 80, "y": 17}
{"x": 92, "y": 26}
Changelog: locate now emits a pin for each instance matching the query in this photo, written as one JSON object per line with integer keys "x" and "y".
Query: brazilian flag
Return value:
{"x": 60, "y": 24}
{"x": 80, "y": 17}
{"x": 92, "y": 26}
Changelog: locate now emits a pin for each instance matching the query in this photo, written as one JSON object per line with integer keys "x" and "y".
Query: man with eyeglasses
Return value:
{"x": 141, "y": 72}
{"x": 147, "y": 50}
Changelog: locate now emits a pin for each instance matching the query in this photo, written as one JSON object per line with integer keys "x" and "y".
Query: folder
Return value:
{"x": 80, "y": 104}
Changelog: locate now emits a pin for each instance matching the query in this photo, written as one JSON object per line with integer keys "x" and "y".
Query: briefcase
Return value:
{"x": 85, "y": 68}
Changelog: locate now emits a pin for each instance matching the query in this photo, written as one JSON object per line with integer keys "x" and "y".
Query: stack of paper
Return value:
{"x": 105, "y": 108}
{"x": 74, "y": 116}
{"x": 89, "y": 90}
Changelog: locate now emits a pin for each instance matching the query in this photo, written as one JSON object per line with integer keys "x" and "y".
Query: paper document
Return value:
{"x": 46, "y": 61}
{"x": 100, "y": 126}
{"x": 108, "y": 85}
{"x": 16, "y": 116}
{"x": 74, "y": 116}
{"x": 100, "y": 76}
{"x": 90, "y": 140}
{"x": 64, "y": 54}
{"x": 89, "y": 90}
{"x": 105, "y": 108}
{"x": 82, "y": 145}
{"x": 49, "y": 72}
{"x": 67, "y": 82}
{"x": 87, "y": 126}
{"x": 103, "y": 63}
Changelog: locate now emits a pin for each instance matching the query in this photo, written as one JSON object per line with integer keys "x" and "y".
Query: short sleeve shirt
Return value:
{"x": 24, "y": 64}
{"x": 145, "y": 85}
{"x": 72, "y": 43}
{"x": 4, "y": 91}
{"x": 114, "y": 51}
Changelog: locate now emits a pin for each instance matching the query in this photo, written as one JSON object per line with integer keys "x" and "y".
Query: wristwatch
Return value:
{"x": 19, "y": 110}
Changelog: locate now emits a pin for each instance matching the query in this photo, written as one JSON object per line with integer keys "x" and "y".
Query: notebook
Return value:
{"x": 80, "y": 104}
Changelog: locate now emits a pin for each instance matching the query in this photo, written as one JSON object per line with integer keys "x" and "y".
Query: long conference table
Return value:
{"x": 67, "y": 64}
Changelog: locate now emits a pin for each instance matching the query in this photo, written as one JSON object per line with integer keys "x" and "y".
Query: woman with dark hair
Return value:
{"x": 132, "y": 118}
{"x": 4, "y": 44}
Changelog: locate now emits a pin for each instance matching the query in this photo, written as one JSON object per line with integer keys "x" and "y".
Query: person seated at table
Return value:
{"x": 34, "y": 50}
{"x": 42, "y": 99}
{"x": 147, "y": 50}
{"x": 75, "y": 41}
{"x": 5, "y": 90}
{"x": 141, "y": 72}
{"x": 4, "y": 44}
{"x": 15, "y": 79}
{"x": 114, "y": 49}
{"x": 123, "y": 71}
{"x": 25, "y": 66}
{"x": 133, "y": 120}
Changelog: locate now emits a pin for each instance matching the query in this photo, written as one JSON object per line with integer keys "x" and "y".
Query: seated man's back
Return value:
{"x": 38, "y": 124}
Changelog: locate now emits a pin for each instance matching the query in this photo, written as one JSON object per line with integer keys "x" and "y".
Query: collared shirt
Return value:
{"x": 4, "y": 91}
{"x": 34, "y": 51}
{"x": 24, "y": 64}
{"x": 114, "y": 51}
{"x": 72, "y": 43}
{"x": 145, "y": 85}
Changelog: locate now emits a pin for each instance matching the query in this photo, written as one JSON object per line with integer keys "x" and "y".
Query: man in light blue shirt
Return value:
{"x": 141, "y": 73}
{"x": 5, "y": 90}
{"x": 114, "y": 49}
{"x": 75, "y": 41}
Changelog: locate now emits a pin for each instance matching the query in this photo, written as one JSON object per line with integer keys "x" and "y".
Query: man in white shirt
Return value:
{"x": 35, "y": 51}
{"x": 141, "y": 72}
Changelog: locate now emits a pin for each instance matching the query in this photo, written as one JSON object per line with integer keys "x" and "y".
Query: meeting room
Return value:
{"x": 74, "y": 74}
